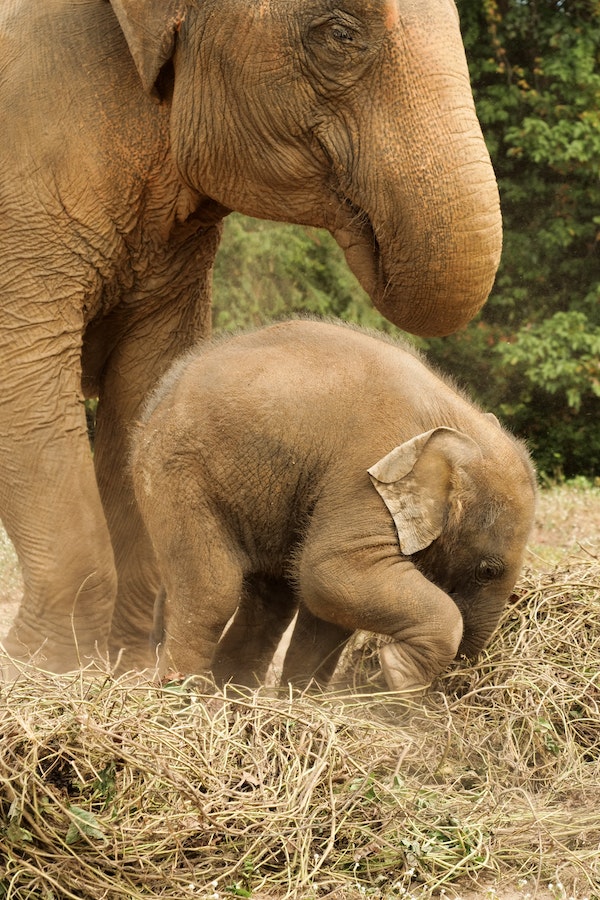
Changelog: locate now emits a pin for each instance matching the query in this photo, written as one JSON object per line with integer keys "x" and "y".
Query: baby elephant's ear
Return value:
{"x": 416, "y": 481}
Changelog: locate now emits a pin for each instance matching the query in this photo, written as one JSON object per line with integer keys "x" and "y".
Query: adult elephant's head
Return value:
{"x": 353, "y": 115}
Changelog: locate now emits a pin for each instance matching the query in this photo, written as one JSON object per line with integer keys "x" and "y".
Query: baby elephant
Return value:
{"x": 313, "y": 465}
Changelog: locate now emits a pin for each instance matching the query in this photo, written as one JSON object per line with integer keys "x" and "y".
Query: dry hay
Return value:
{"x": 112, "y": 789}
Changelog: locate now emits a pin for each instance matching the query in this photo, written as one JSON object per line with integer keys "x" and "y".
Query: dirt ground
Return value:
{"x": 567, "y": 523}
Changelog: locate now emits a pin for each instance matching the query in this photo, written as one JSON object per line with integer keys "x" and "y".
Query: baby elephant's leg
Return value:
{"x": 202, "y": 575}
{"x": 386, "y": 596}
{"x": 314, "y": 650}
{"x": 247, "y": 647}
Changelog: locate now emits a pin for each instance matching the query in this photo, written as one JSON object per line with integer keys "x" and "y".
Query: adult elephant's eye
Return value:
{"x": 343, "y": 35}
{"x": 338, "y": 39}
{"x": 488, "y": 570}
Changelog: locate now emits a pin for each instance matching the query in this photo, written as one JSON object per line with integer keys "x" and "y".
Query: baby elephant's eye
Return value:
{"x": 488, "y": 570}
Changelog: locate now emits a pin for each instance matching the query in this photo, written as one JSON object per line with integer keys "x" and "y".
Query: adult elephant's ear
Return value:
{"x": 418, "y": 480}
{"x": 150, "y": 28}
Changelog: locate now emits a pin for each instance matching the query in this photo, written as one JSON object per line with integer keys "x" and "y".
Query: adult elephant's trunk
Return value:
{"x": 429, "y": 259}
{"x": 421, "y": 228}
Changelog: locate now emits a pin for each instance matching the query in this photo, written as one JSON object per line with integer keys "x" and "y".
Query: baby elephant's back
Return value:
{"x": 313, "y": 380}
{"x": 295, "y": 397}
{"x": 265, "y": 414}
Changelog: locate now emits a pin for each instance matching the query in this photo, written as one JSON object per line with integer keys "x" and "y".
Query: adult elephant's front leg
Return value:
{"x": 49, "y": 500}
{"x": 145, "y": 348}
{"x": 128, "y": 378}
{"x": 138, "y": 580}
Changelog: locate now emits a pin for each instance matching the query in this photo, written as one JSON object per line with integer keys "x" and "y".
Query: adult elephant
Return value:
{"x": 129, "y": 129}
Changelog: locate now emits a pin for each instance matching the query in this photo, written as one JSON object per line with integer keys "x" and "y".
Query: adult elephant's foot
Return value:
{"x": 54, "y": 649}
{"x": 69, "y": 630}
{"x": 14, "y": 668}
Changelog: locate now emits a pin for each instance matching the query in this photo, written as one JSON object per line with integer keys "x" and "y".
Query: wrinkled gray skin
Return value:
{"x": 129, "y": 129}
{"x": 317, "y": 464}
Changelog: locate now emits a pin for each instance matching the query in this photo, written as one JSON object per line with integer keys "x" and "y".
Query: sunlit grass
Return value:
{"x": 119, "y": 789}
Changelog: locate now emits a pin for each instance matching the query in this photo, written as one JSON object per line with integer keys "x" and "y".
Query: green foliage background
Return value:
{"x": 533, "y": 354}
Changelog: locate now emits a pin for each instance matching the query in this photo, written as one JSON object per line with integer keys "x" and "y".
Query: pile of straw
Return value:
{"x": 111, "y": 789}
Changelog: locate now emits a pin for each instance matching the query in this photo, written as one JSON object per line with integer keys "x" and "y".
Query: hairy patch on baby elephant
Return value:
{"x": 315, "y": 467}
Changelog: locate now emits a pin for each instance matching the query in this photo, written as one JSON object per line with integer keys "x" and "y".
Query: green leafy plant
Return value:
{"x": 560, "y": 355}
{"x": 83, "y": 824}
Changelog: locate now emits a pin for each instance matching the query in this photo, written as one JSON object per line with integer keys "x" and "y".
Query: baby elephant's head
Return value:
{"x": 464, "y": 516}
